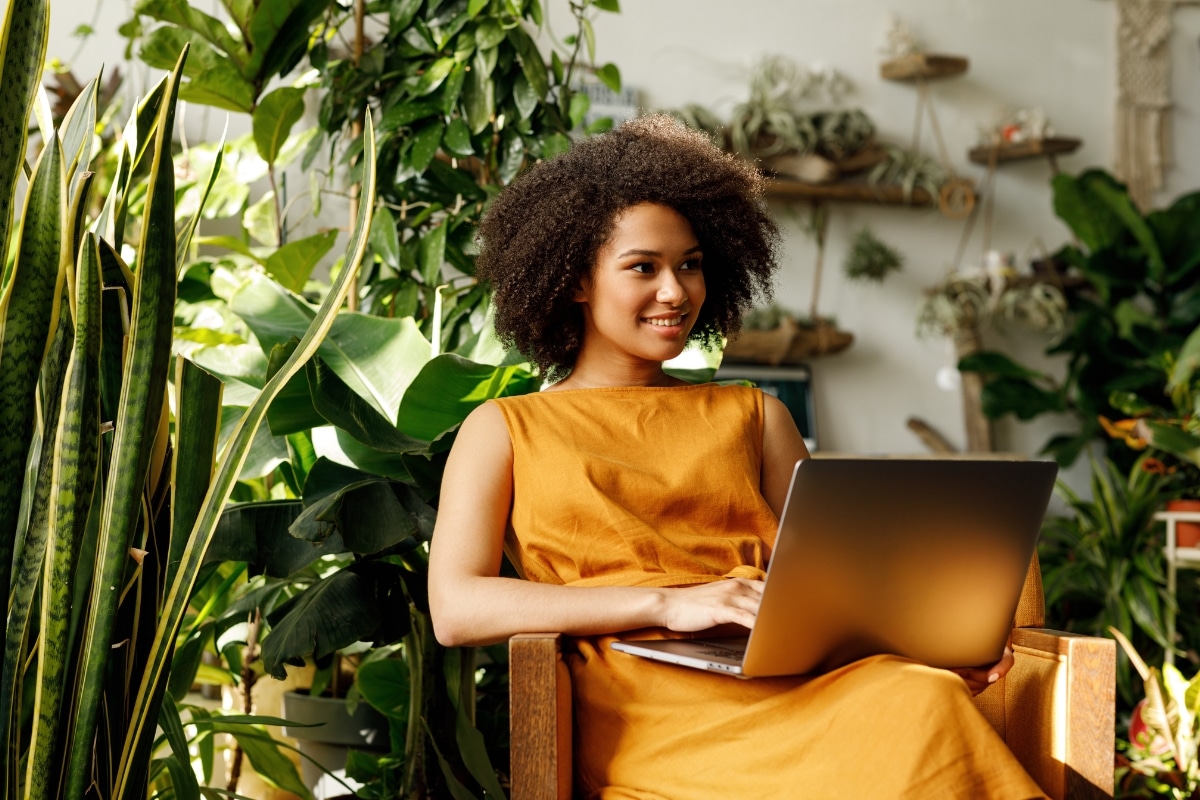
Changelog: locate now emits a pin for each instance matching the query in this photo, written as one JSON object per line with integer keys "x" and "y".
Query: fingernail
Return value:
{"x": 995, "y": 676}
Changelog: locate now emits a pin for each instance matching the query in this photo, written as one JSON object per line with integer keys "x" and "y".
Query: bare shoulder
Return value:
{"x": 783, "y": 446}
{"x": 778, "y": 422}
{"x": 483, "y": 436}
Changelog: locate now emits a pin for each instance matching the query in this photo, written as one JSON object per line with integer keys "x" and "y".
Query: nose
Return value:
{"x": 670, "y": 290}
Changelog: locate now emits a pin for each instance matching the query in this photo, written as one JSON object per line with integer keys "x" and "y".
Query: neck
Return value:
{"x": 594, "y": 373}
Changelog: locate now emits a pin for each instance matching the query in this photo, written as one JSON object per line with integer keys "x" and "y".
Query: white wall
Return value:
{"x": 1057, "y": 55}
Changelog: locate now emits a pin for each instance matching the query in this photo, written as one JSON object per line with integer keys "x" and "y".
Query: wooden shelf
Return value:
{"x": 854, "y": 191}
{"x": 923, "y": 65}
{"x": 1031, "y": 148}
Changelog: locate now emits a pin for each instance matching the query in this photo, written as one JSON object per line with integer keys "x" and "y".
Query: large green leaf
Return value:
{"x": 136, "y": 427}
{"x": 451, "y": 387}
{"x": 369, "y": 516}
{"x": 479, "y": 99}
{"x": 213, "y": 79}
{"x": 1020, "y": 397}
{"x": 1174, "y": 440}
{"x": 375, "y": 356}
{"x": 273, "y": 119}
{"x": 532, "y": 65}
{"x": 28, "y": 572}
{"x": 293, "y": 411}
{"x": 258, "y": 533}
{"x": 278, "y": 34}
{"x": 153, "y": 678}
{"x": 73, "y": 481}
{"x": 22, "y": 54}
{"x": 182, "y": 14}
{"x": 76, "y": 133}
{"x": 197, "y": 421}
{"x": 29, "y": 306}
{"x": 331, "y": 614}
{"x": 385, "y": 685}
{"x": 267, "y": 450}
{"x": 1093, "y": 221}
{"x": 294, "y": 262}
{"x": 997, "y": 365}
{"x": 1187, "y": 364}
{"x": 335, "y": 402}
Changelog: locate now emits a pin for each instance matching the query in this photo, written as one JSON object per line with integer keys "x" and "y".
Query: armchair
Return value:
{"x": 1055, "y": 709}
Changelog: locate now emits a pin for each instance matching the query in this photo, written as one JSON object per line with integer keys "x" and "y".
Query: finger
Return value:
{"x": 754, "y": 586}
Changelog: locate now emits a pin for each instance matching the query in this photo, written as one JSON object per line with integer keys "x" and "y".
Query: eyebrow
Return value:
{"x": 636, "y": 252}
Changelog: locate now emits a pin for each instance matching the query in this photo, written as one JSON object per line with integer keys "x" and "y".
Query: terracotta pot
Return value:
{"x": 1187, "y": 534}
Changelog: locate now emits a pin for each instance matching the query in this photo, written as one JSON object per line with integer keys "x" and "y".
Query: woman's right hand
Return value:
{"x": 697, "y": 608}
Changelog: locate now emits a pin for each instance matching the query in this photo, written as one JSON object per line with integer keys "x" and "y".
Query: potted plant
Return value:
{"x": 1163, "y": 756}
{"x": 1137, "y": 277}
{"x": 1102, "y": 565}
{"x": 91, "y": 337}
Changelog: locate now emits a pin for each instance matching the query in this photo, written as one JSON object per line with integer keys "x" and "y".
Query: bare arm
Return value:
{"x": 471, "y": 605}
{"x": 783, "y": 446}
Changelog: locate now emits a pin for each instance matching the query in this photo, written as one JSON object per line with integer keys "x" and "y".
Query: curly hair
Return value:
{"x": 539, "y": 238}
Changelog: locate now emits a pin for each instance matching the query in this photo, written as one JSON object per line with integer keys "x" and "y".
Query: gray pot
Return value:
{"x": 335, "y": 732}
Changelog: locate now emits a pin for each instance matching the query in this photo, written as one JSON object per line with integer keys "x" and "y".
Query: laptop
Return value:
{"x": 920, "y": 558}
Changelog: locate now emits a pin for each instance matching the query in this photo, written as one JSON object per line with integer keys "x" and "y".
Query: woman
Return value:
{"x": 633, "y": 502}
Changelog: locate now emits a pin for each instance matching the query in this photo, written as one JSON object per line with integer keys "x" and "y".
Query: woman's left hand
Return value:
{"x": 980, "y": 678}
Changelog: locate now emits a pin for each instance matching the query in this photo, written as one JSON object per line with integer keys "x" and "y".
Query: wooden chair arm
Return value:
{"x": 540, "y": 722}
{"x": 1058, "y": 714}
{"x": 1060, "y": 709}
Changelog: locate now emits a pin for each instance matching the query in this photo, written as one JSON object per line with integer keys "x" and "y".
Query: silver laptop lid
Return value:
{"x": 924, "y": 558}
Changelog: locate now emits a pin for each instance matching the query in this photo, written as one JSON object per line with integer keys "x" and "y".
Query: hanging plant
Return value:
{"x": 870, "y": 259}
{"x": 1039, "y": 307}
{"x": 909, "y": 170}
{"x": 842, "y": 133}
{"x": 957, "y": 304}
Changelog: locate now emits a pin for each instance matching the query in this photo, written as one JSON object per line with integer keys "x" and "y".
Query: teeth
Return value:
{"x": 666, "y": 323}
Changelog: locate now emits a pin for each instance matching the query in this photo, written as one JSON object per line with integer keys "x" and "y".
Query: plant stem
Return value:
{"x": 249, "y": 677}
{"x": 819, "y": 226}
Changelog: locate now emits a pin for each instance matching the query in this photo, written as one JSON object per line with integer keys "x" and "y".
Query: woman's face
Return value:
{"x": 646, "y": 286}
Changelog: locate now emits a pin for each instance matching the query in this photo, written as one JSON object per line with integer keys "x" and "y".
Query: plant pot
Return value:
{"x": 336, "y": 732}
{"x": 1187, "y": 534}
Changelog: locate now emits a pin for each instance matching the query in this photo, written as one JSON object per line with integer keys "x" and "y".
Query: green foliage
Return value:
{"x": 107, "y": 550}
{"x": 1102, "y": 565}
{"x": 1139, "y": 301}
{"x": 1167, "y": 760}
{"x": 464, "y": 101}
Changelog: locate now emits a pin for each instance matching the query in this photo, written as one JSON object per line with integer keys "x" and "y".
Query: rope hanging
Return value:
{"x": 1143, "y": 96}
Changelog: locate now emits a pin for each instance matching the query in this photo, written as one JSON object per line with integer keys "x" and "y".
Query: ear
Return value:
{"x": 580, "y": 295}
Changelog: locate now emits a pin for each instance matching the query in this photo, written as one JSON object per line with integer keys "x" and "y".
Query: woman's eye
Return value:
{"x": 692, "y": 263}
{"x": 645, "y": 268}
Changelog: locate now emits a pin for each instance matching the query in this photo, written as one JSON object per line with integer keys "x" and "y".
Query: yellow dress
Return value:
{"x": 647, "y": 486}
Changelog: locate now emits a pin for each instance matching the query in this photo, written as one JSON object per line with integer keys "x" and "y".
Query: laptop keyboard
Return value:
{"x": 722, "y": 650}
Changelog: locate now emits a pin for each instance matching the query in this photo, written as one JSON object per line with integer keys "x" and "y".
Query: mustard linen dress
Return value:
{"x": 649, "y": 486}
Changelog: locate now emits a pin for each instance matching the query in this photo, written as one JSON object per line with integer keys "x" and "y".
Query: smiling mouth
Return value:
{"x": 665, "y": 322}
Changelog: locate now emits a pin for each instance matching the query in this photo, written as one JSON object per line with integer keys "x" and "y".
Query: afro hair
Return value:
{"x": 540, "y": 236}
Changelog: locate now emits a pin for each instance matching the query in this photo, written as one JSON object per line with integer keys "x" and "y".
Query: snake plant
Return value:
{"x": 107, "y": 507}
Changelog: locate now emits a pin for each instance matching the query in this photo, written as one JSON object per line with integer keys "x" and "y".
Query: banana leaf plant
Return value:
{"x": 109, "y": 505}
{"x": 381, "y": 419}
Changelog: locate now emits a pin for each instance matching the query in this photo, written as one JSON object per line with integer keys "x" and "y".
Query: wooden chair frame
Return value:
{"x": 1055, "y": 709}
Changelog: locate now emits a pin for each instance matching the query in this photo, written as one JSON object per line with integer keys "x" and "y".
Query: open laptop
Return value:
{"x": 918, "y": 558}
